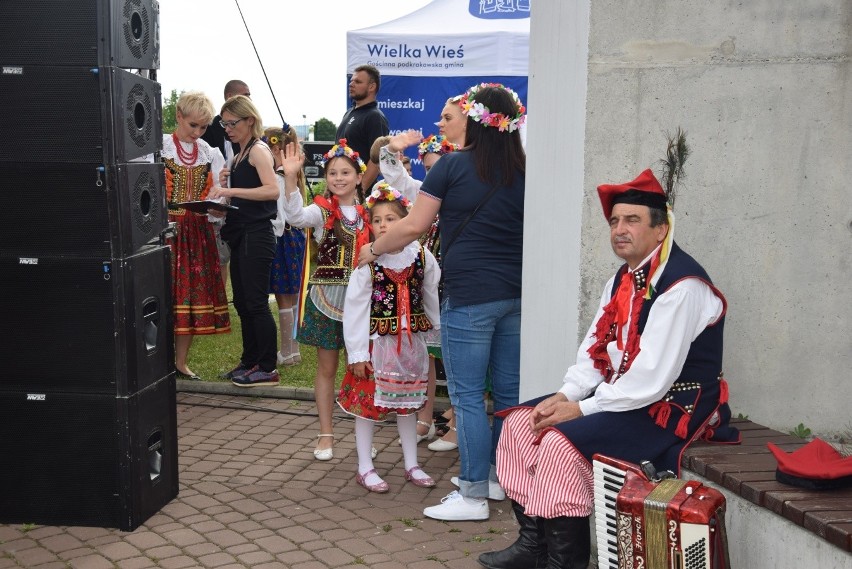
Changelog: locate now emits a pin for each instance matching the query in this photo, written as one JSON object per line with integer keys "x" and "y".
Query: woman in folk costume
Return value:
{"x": 340, "y": 227}
{"x": 200, "y": 304}
{"x": 391, "y": 313}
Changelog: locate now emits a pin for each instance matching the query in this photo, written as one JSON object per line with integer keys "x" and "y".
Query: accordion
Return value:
{"x": 644, "y": 521}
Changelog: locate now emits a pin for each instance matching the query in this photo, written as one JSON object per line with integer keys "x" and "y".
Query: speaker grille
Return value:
{"x": 103, "y": 114}
{"x": 102, "y": 212}
{"x": 113, "y": 337}
{"x": 84, "y": 459}
{"x": 62, "y": 32}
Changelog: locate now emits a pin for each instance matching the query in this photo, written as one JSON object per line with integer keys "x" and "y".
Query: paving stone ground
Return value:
{"x": 252, "y": 495}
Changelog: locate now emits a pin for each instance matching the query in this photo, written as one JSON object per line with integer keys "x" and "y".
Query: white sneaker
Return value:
{"x": 495, "y": 491}
{"x": 454, "y": 508}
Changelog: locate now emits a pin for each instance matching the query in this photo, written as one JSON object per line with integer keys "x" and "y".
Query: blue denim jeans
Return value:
{"x": 474, "y": 339}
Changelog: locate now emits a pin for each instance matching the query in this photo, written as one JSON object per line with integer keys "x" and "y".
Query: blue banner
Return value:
{"x": 416, "y": 102}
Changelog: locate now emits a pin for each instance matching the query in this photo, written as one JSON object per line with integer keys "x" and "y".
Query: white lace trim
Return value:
{"x": 401, "y": 260}
{"x": 205, "y": 153}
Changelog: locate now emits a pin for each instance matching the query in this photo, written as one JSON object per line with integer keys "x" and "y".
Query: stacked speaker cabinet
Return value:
{"x": 88, "y": 429}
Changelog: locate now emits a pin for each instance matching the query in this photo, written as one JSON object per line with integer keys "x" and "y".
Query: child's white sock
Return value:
{"x": 407, "y": 427}
{"x": 364, "y": 445}
{"x": 285, "y": 324}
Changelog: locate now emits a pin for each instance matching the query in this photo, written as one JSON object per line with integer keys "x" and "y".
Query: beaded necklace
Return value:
{"x": 187, "y": 158}
{"x": 350, "y": 225}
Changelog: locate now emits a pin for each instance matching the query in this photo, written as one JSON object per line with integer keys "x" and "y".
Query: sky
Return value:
{"x": 302, "y": 45}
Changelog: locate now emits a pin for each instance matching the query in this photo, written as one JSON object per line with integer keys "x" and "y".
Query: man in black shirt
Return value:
{"x": 364, "y": 122}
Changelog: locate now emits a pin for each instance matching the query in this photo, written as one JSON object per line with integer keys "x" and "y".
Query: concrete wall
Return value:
{"x": 763, "y": 90}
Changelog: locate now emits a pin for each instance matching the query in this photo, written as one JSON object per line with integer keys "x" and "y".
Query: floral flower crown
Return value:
{"x": 481, "y": 114}
{"x": 436, "y": 145}
{"x": 340, "y": 149}
{"x": 383, "y": 192}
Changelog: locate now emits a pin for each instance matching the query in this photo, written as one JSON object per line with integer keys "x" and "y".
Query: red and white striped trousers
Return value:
{"x": 550, "y": 479}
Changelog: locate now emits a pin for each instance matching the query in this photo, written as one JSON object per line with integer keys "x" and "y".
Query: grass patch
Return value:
{"x": 214, "y": 354}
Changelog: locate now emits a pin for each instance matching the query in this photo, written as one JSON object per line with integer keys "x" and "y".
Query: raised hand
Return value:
{"x": 403, "y": 140}
{"x": 293, "y": 159}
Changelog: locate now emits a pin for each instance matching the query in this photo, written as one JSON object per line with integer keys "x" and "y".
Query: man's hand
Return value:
{"x": 361, "y": 370}
{"x": 553, "y": 410}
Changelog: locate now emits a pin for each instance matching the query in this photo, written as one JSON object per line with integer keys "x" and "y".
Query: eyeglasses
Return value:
{"x": 230, "y": 124}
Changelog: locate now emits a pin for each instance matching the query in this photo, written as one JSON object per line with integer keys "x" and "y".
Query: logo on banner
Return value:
{"x": 500, "y": 9}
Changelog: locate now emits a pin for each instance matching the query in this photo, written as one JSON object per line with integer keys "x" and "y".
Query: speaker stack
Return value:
{"x": 88, "y": 429}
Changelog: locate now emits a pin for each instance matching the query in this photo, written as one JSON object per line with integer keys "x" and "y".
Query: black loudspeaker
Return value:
{"x": 86, "y": 325}
{"x": 119, "y": 33}
{"x": 78, "y": 114}
{"x": 87, "y": 459}
{"x": 80, "y": 210}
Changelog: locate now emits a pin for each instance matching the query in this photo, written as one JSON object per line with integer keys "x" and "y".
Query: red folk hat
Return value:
{"x": 644, "y": 190}
{"x": 817, "y": 466}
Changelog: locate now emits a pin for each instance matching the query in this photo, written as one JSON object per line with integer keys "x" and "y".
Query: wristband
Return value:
{"x": 373, "y": 253}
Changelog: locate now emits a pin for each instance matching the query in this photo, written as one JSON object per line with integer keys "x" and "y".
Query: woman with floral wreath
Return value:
{"x": 479, "y": 193}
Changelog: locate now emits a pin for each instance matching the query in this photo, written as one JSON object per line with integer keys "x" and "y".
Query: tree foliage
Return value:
{"x": 169, "y": 112}
{"x": 324, "y": 129}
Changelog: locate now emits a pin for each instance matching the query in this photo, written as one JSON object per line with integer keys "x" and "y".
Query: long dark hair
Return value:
{"x": 498, "y": 156}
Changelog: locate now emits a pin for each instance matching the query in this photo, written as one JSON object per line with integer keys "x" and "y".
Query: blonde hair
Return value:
{"x": 196, "y": 103}
{"x": 242, "y": 107}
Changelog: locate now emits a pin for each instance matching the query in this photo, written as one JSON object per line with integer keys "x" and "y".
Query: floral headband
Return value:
{"x": 383, "y": 192}
{"x": 340, "y": 149}
{"x": 480, "y": 113}
{"x": 274, "y": 138}
{"x": 435, "y": 145}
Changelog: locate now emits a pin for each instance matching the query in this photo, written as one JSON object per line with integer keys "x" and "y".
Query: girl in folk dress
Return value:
{"x": 391, "y": 311}
{"x": 200, "y": 304}
{"x": 340, "y": 227}
{"x": 286, "y": 279}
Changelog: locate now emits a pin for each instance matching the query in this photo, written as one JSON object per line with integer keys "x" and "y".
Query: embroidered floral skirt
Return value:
{"x": 399, "y": 384}
{"x": 286, "y": 277}
{"x": 200, "y": 304}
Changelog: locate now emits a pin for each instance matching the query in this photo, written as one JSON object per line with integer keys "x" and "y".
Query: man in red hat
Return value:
{"x": 647, "y": 382}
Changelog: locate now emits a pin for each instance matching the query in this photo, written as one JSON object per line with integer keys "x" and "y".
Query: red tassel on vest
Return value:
{"x": 683, "y": 426}
{"x": 661, "y": 411}
{"x": 723, "y": 391}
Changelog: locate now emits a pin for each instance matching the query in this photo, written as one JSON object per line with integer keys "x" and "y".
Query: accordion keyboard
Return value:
{"x": 609, "y": 480}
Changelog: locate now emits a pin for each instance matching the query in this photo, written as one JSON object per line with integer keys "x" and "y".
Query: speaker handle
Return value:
{"x": 155, "y": 455}
{"x": 151, "y": 322}
{"x": 168, "y": 233}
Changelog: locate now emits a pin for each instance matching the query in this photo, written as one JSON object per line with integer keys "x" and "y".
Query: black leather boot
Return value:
{"x": 528, "y": 552}
{"x": 568, "y": 542}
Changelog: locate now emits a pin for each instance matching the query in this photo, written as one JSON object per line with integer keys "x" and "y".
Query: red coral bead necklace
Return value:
{"x": 188, "y": 158}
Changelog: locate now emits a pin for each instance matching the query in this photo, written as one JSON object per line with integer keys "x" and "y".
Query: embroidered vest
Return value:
{"x": 186, "y": 183}
{"x": 334, "y": 259}
{"x": 384, "y": 308}
{"x": 703, "y": 366}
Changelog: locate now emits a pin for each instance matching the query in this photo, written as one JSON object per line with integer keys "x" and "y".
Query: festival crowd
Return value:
{"x": 416, "y": 279}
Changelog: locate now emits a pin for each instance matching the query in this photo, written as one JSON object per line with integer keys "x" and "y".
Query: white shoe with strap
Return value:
{"x": 324, "y": 453}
